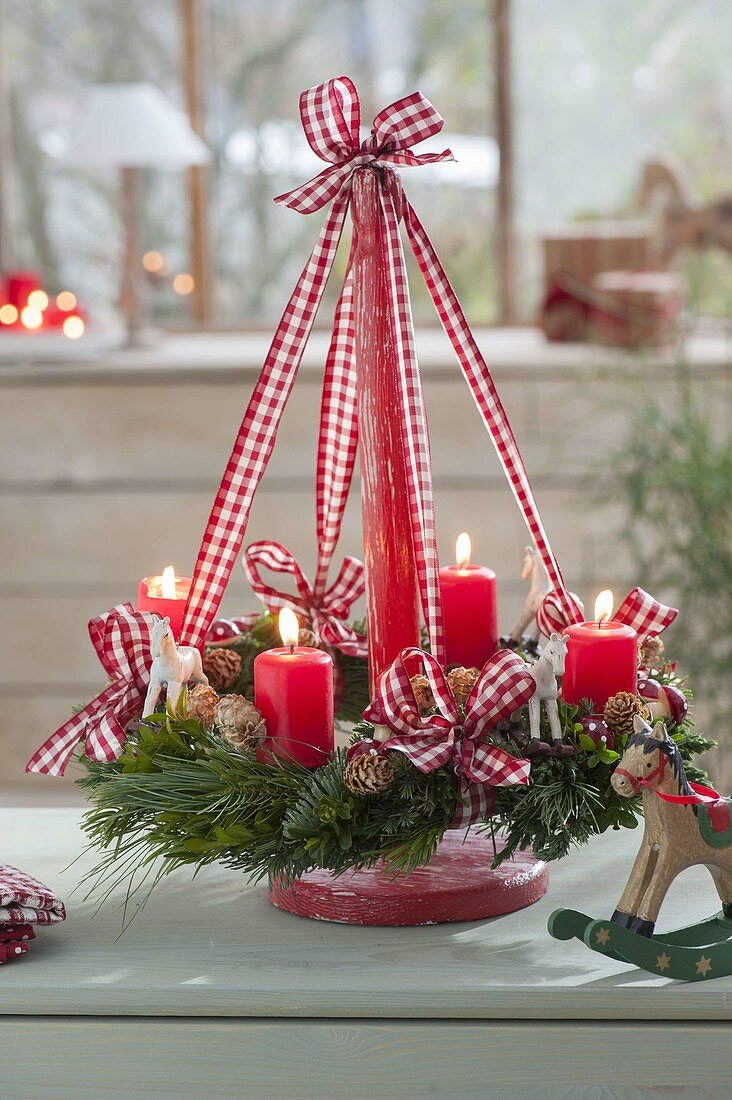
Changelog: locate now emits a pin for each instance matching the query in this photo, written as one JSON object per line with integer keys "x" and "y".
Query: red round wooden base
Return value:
{"x": 458, "y": 884}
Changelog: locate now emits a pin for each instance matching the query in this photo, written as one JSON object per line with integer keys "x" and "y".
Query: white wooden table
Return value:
{"x": 211, "y": 994}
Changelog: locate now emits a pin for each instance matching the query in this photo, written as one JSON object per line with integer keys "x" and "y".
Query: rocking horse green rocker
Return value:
{"x": 685, "y": 824}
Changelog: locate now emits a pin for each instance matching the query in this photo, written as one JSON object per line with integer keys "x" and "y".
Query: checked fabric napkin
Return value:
{"x": 24, "y": 901}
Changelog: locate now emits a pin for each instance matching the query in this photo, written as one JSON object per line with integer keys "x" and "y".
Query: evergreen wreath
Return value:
{"x": 181, "y": 795}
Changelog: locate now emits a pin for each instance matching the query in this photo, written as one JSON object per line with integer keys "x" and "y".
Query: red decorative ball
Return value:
{"x": 366, "y": 746}
{"x": 595, "y": 727}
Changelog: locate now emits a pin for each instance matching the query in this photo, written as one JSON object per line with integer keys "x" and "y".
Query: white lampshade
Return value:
{"x": 130, "y": 126}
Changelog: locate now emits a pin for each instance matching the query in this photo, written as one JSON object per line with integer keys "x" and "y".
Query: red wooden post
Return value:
{"x": 393, "y": 617}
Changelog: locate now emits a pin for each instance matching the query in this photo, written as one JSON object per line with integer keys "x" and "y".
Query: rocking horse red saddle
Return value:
{"x": 715, "y": 822}
{"x": 715, "y": 812}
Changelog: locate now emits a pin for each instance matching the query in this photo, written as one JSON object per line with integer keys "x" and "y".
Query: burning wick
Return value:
{"x": 463, "y": 550}
{"x": 288, "y": 627}
{"x": 604, "y": 606}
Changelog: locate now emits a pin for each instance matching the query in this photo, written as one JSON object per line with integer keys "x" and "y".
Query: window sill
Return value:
{"x": 205, "y": 358}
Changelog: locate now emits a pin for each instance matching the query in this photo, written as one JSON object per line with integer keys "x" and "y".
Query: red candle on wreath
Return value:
{"x": 602, "y": 657}
{"x": 293, "y": 689}
{"x": 165, "y": 595}
{"x": 469, "y": 609}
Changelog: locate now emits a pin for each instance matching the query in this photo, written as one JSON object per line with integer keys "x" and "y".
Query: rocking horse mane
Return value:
{"x": 670, "y": 750}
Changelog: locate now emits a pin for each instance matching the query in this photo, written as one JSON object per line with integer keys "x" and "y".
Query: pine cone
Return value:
{"x": 650, "y": 652}
{"x": 462, "y": 681}
{"x": 223, "y": 668}
{"x": 307, "y": 637}
{"x": 240, "y": 723}
{"x": 201, "y": 702}
{"x": 620, "y": 710}
{"x": 368, "y": 773}
{"x": 423, "y": 694}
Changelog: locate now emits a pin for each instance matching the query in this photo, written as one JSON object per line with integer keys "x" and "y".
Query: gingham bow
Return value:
{"x": 639, "y": 610}
{"x": 330, "y": 115}
{"x": 328, "y": 612}
{"x": 121, "y": 638}
{"x": 331, "y": 118}
{"x": 434, "y": 740}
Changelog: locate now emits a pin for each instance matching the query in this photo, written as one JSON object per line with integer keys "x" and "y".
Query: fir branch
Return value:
{"x": 179, "y": 796}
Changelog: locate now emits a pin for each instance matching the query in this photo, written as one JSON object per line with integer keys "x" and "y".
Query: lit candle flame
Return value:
{"x": 288, "y": 626}
{"x": 168, "y": 583}
{"x": 463, "y": 550}
{"x": 604, "y": 606}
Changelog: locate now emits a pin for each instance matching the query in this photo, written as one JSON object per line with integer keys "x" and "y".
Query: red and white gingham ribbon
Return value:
{"x": 431, "y": 741}
{"x": 638, "y": 610}
{"x": 121, "y": 638}
{"x": 330, "y": 115}
{"x": 328, "y": 613}
{"x": 337, "y": 448}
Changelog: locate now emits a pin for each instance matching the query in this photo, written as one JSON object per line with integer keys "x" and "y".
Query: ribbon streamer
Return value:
{"x": 330, "y": 115}
{"x": 638, "y": 610}
{"x": 331, "y": 119}
{"x": 328, "y": 612}
{"x": 431, "y": 741}
{"x": 338, "y": 434}
{"x": 121, "y": 638}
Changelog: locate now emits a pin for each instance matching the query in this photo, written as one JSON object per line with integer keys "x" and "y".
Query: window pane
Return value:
{"x": 602, "y": 86}
{"x": 263, "y": 54}
{"x": 66, "y": 223}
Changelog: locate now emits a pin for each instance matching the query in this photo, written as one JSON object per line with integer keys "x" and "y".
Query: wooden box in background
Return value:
{"x": 633, "y": 309}
{"x": 574, "y": 254}
{"x": 582, "y": 250}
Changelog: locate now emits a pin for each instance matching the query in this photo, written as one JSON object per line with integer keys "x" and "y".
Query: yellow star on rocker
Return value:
{"x": 663, "y": 961}
{"x": 602, "y": 936}
{"x": 704, "y": 966}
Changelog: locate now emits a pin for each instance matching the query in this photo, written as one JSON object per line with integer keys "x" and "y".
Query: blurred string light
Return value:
{"x": 184, "y": 283}
{"x": 154, "y": 262}
{"x": 73, "y": 327}
{"x": 31, "y": 317}
{"x": 8, "y": 314}
{"x": 66, "y": 301}
{"x": 38, "y": 299}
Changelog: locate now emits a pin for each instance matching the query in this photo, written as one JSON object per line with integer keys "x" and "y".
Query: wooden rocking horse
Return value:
{"x": 683, "y": 221}
{"x": 685, "y": 824}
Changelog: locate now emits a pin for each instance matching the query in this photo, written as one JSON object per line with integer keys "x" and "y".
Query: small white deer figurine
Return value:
{"x": 545, "y": 672}
{"x": 526, "y": 625}
{"x": 173, "y": 666}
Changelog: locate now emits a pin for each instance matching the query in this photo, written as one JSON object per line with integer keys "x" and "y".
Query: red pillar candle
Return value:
{"x": 293, "y": 688}
{"x": 469, "y": 609}
{"x": 165, "y": 595}
{"x": 602, "y": 658}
